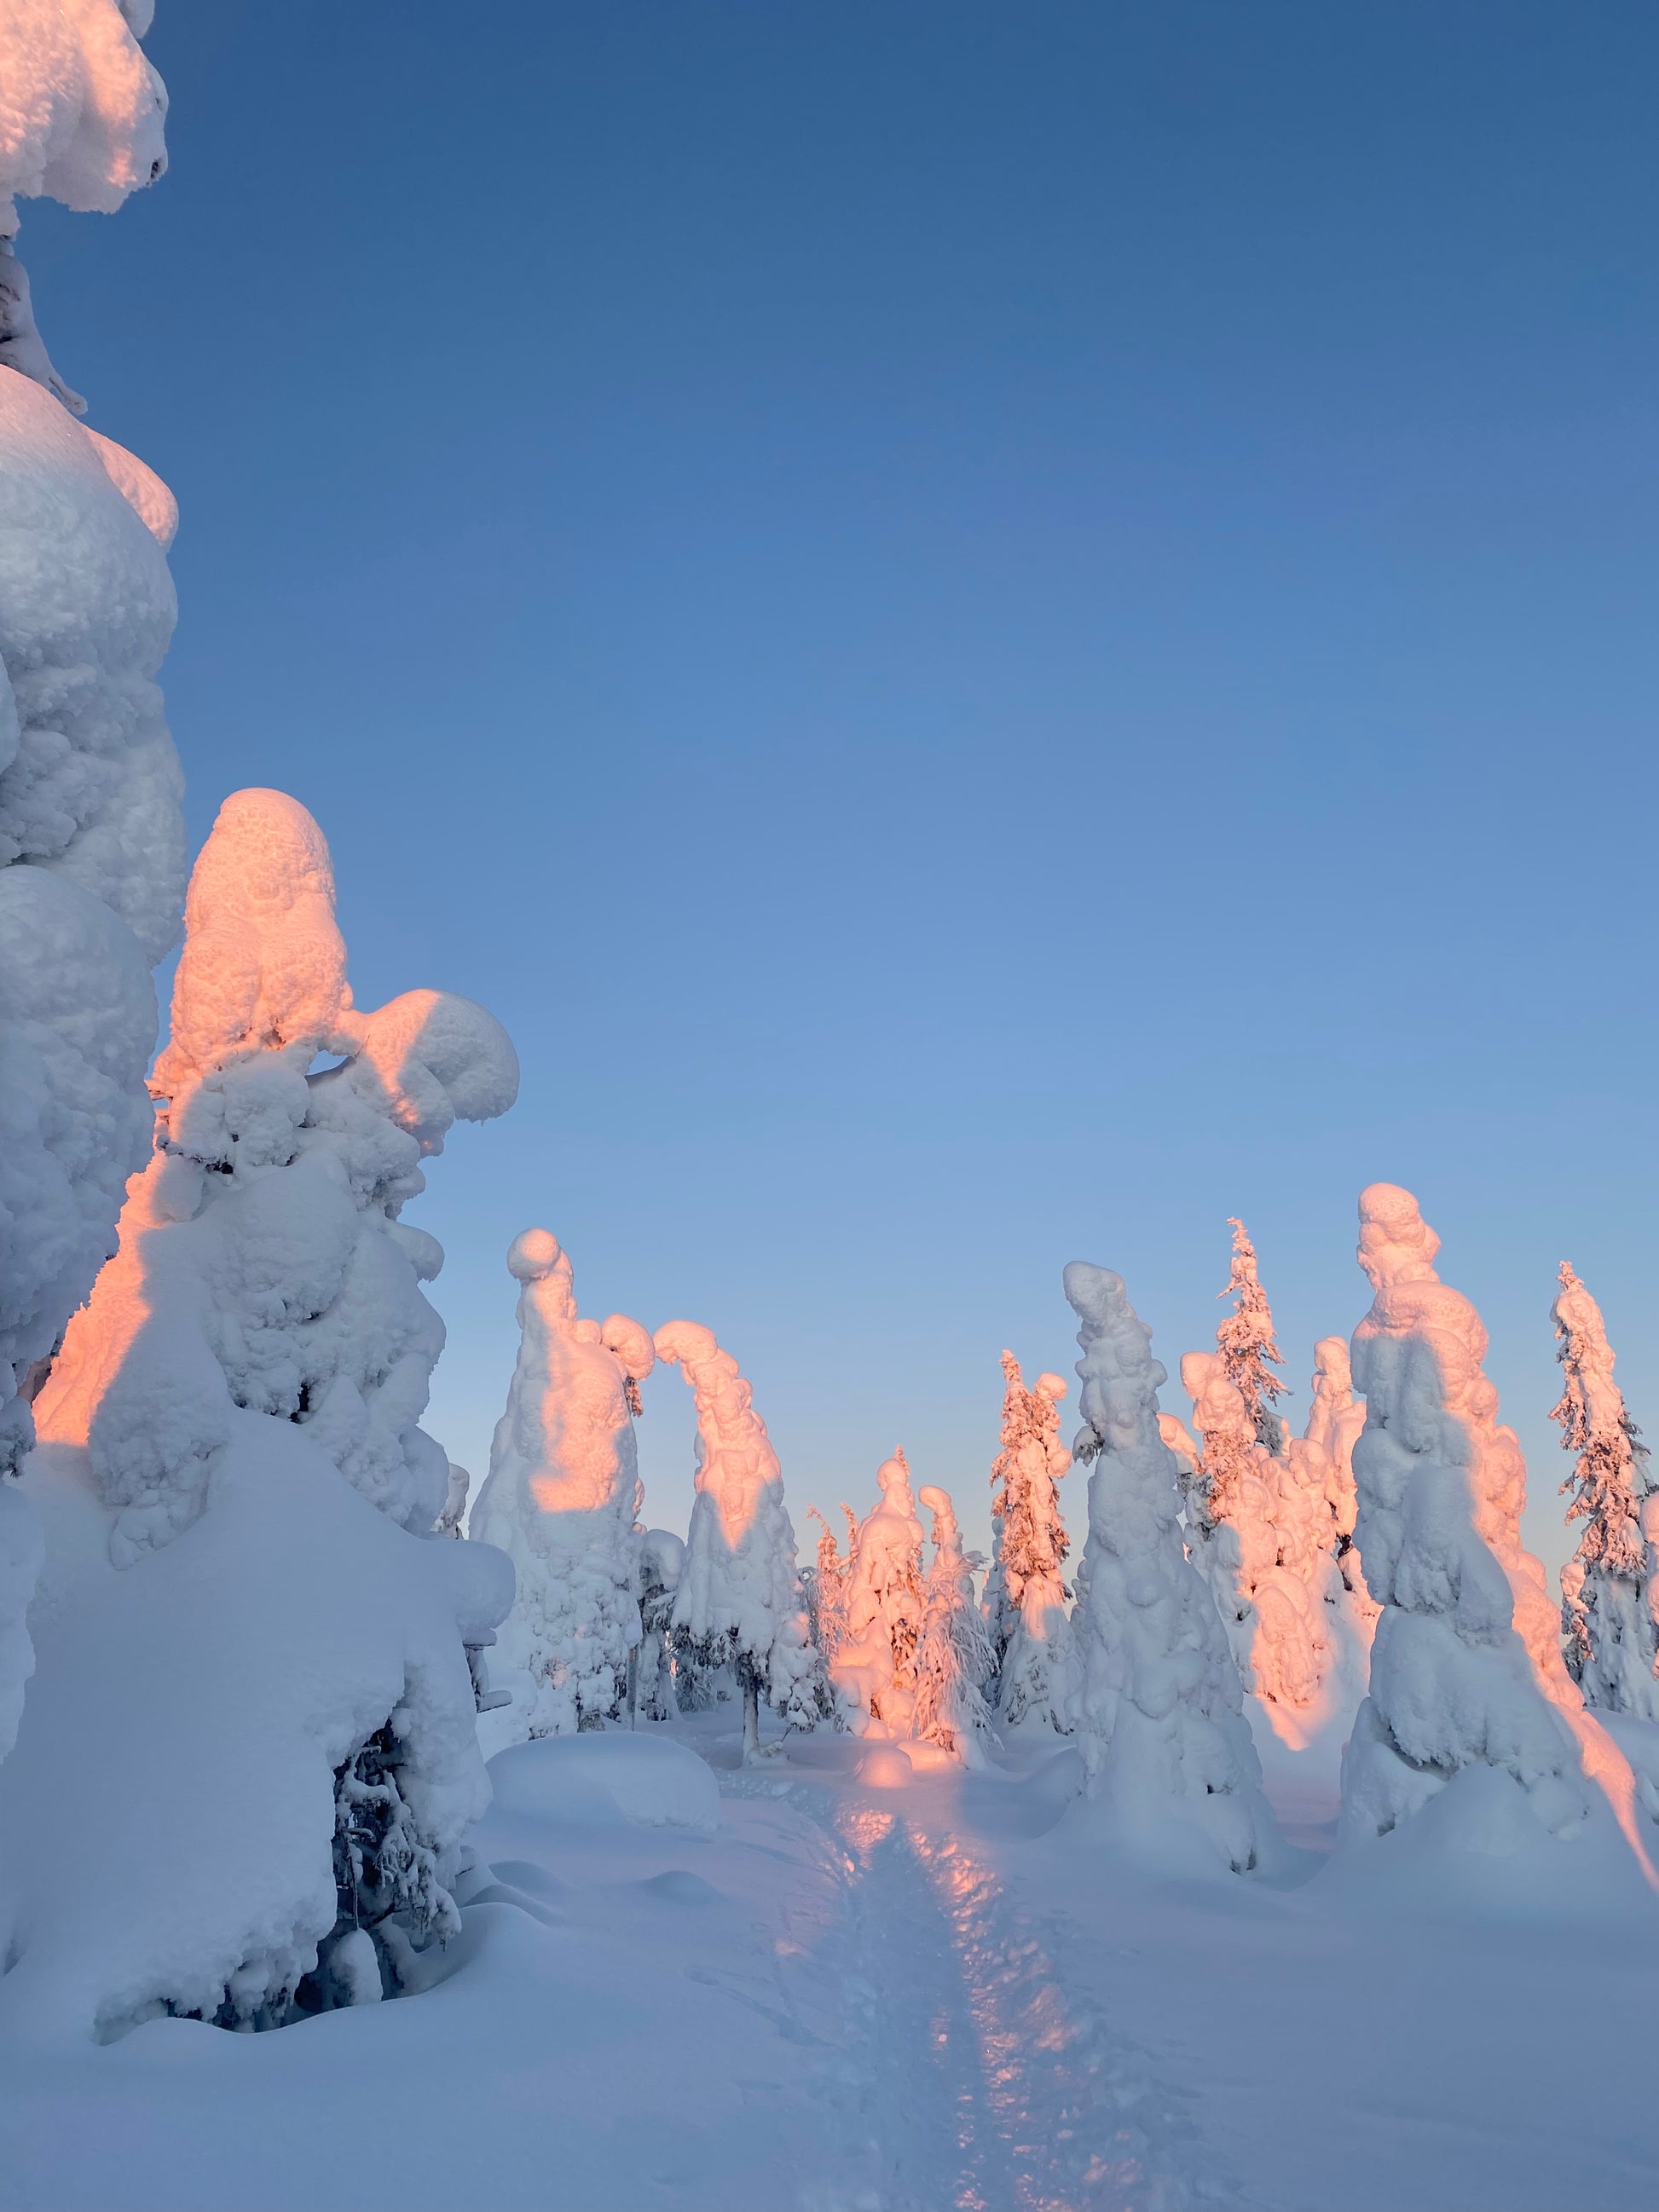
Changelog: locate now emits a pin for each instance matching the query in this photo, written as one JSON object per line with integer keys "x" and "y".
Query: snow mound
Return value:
{"x": 602, "y": 1775}
{"x": 885, "y": 1766}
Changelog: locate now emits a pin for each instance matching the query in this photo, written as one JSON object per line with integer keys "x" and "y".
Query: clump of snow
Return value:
{"x": 562, "y": 1493}
{"x": 1611, "y": 1587}
{"x": 738, "y": 1601}
{"x": 167, "y": 1819}
{"x": 82, "y": 120}
{"x": 606, "y": 1776}
{"x": 875, "y": 1665}
{"x": 259, "y": 1335}
{"x": 1466, "y": 1673}
{"x": 1025, "y": 1595}
{"x": 1160, "y": 1719}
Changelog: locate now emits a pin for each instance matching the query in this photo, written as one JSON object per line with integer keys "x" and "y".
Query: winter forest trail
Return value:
{"x": 969, "y": 2075}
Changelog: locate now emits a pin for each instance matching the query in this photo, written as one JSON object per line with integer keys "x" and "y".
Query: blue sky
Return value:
{"x": 995, "y": 631}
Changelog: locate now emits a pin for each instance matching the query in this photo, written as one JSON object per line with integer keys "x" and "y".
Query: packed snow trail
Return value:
{"x": 969, "y": 2077}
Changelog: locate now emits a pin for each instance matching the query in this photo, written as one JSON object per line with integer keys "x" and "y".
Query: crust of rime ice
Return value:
{"x": 260, "y": 1330}
{"x": 1160, "y": 1723}
{"x": 738, "y": 1596}
{"x": 562, "y": 1493}
{"x": 1465, "y": 1666}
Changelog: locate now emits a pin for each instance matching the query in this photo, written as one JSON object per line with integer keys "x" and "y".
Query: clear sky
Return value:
{"x": 994, "y": 630}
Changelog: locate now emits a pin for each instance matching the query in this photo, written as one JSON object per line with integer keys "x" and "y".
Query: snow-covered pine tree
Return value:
{"x": 739, "y": 1598}
{"x": 875, "y": 1671}
{"x": 953, "y": 1658}
{"x": 1335, "y": 1418}
{"x": 1029, "y": 1626}
{"x": 662, "y": 1555}
{"x": 1161, "y": 1718}
{"x": 92, "y": 847}
{"x": 1467, "y": 1670}
{"x": 1244, "y": 1343}
{"x": 827, "y": 1611}
{"x": 562, "y": 1493}
{"x": 1610, "y": 1607}
{"x": 277, "y": 1649}
{"x": 1265, "y": 1542}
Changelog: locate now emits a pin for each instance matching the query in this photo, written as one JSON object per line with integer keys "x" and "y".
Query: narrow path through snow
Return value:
{"x": 969, "y": 2076}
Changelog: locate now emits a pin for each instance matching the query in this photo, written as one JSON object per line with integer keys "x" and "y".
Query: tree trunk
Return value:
{"x": 751, "y": 1717}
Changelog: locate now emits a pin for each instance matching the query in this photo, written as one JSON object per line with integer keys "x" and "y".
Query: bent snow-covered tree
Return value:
{"x": 1026, "y": 1596}
{"x": 740, "y": 1602}
{"x": 1467, "y": 1672}
{"x": 562, "y": 1493}
{"x": 92, "y": 849}
{"x": 1160, "y": 1718}
{"x": 953, "y": 1657}
{"x": 875, "y": 1669}
{"x": 1611, "y": 1587}
{"x": 252, "y": 1633}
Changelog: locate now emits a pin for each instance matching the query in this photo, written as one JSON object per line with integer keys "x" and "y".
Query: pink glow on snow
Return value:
{"x": 738, "y": 1461}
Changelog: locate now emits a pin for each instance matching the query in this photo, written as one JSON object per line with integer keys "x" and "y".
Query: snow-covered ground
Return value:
{"x": 685, "y": 1983}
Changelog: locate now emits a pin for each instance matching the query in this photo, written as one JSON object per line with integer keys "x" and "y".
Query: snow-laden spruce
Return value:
{"x": 1245, "y": 1343}
{"x": 739, "y": 1601}
{"x": 1468, "y": 1690}
{"x": 953, "y": 1657}
{"x": 662, "y": 1556}
{"x": 1271, "y": 1561}
{"x": 234, "y": 1642}
{"x": 82, "y": 121}
{"x": 1025, "y": 1595}
{"x": 875, "y": 1667}
{"x": 562, "y": 1492}
{"x": 1610, "y": 1588}
{"x": 1335, "y": 1418}
{"x": 1160, "y": 1719}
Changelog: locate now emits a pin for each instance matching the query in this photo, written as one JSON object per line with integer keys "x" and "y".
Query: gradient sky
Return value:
{"x": 995, "y": 631}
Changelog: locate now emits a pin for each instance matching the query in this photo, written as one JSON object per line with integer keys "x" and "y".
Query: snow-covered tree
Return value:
{"x": 1160, "y": 1718}
{"x": 1270, "y": 1556}
{"x": 1245, "y": 1346}
{"x": 827, "y": 1601}
{"x": 92, "y": 852}
{"x": 562, "y": 1493}
{"x": 953, "y": 1658}
{"x": 252, "y": 1633}
{"x": 1335, "y": 1418}
{"x": 875, "y": 1668}
{"x": 1465, "y": 1669}
{"x": 1611, "y": 1597}
{"x": 739, "y": 1600}
{"x": 454, "y": 1506}
{"x": 1026, "y": 1596}
{"x": 662, "y": 1555}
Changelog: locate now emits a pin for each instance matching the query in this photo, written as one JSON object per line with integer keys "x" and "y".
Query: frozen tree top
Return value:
{"x": 264, "y": 970}
{"x": 82, "y": 111}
